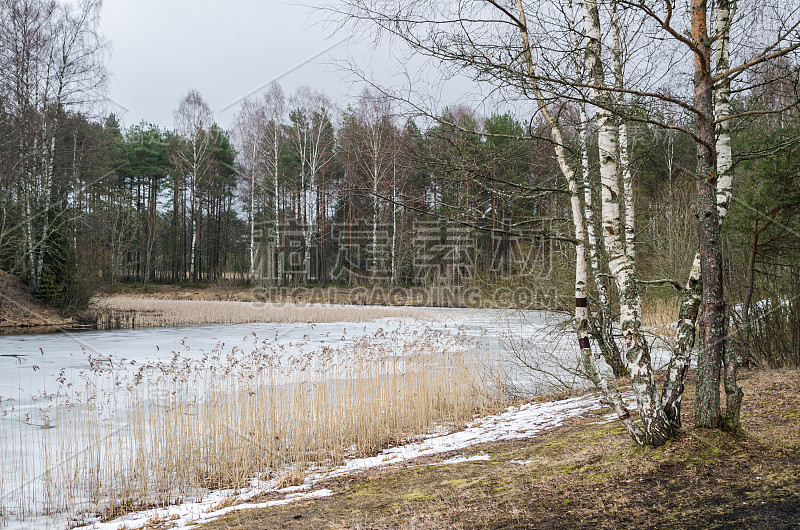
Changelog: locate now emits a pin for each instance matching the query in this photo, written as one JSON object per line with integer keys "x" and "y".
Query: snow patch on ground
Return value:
{"x": 515, "y": 423}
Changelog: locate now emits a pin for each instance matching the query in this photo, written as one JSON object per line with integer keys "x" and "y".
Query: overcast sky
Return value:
{"x": 162, "y": 48}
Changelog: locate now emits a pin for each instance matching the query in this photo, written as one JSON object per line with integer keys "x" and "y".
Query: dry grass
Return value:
{"x": 118, "y": 312}
{"x": 130, "y": 437}
{"x": 584, "y": 475}
{"x": 660, "y": 315}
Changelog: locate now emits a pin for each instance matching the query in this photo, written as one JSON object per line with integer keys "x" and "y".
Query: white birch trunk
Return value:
{"x": 725, "y": 11}
{"x": 253, "y": 213}
{"x": 722, "y": 109}
{"x": 591, "y": 361}
{"x": 624, "y": 159}
{"x": 29, "y": 235}
{"x": 193, "y": 199}
{"x": 607, "y": 342}
{"x": 394, "y": 221}
{"x": 276, "y": 203}
{"x": 654, "y": 422}
{"x": 193, "y": 251}
{"x": 691, "y": 296}
{"x": 374, "y": 249}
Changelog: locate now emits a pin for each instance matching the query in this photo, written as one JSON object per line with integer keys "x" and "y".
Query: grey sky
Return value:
{"x": 162, "y": 48}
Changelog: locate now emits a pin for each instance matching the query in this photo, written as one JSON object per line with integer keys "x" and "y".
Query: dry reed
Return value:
{"x": 660, "y": 315}
{"x": 119, "y": 312}
{"x": 130, "y": 437}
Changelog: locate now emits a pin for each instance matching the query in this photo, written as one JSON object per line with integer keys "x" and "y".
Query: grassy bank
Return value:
{"x": 19, "y": 309}
{"x": 585, "y": 475}
{"x": 520, "y": 295}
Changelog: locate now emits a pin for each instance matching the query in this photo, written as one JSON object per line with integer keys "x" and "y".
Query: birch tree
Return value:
{"x": 52, "y": 61}
{"x": 311, "y": 137}
{"x": 248, "y": 131}
{"x": 274, "y": 104}
{"x": 193, "y": 121}
{"x": 377, "y": 136}
{"x": 261, "y": 140}
{"x": 479, "y": 37}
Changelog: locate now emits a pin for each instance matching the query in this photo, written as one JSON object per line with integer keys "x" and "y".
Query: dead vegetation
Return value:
{"x": 128, "y": 436}
{"x": 118, "y": 312}
{"x": 585, "y": 475}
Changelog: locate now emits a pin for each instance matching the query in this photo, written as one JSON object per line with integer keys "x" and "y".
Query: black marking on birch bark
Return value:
{"x": 584, "y": 343}
{"x": 581, "y": 302}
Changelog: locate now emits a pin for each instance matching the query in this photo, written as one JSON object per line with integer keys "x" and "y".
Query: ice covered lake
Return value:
{"x": 36, "y": 369}
{"x": 30, "y": 363}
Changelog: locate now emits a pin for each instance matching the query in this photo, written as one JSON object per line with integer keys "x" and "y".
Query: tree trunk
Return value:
{"x": 253, "y": 214}
{"x": 691, "y": 296}
{"x": 591, "y": 361}
{"x": 733, "y": 393}
{"x": 655, "y": 426}
{"x": 712, "y": 313}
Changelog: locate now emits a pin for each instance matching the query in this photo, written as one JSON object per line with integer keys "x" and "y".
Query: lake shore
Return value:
{"x": 582, "y": 471}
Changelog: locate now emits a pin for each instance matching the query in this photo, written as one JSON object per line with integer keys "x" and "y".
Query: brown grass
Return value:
{"x": 585, "y": 475}
{"x": 660, "y": 315}
{"x": 125, "y": 312}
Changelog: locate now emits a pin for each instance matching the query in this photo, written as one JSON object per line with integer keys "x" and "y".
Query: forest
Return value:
{"x": 303, "y": 191}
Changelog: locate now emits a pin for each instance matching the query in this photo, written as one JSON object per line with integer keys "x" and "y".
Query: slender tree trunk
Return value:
{"x": 654, "y": 422}
{"x": 591, "y": 360}
{"x": 733, "y": 393}
{"x": 748, "y": 295}
{"x": 605, "y": 324}
{"x": 195, "y": 227}
{"x": 276, "y": 206}
{"x": 712, "y": 313}
{"x": 604, "y": 328}
{"x": 46, "y": 190}
{"x": 624, "y": 162}
{"x": 374, "y": 250}
{"x": 253, "y": 213}
{"x": 672, "y": 392}
{"x": 394, "y": 221}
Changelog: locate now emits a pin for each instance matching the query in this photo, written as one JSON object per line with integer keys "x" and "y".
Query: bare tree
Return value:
{"x": 377, "y": 139}
{"x": 312, "y": 138}
{"x": 261, "y": 139}
{"x": 51, "y": 61}
{"x": 542, "y": 64}
{"x": 193, "y": 121}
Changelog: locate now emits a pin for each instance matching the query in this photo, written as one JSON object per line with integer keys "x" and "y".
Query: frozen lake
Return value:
{"x": 30, "y": 364}
{"x": 38, "y": 370}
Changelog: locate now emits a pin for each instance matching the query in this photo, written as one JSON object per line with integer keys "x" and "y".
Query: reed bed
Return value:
{"x": 660, "y": 315}
{"x": 118, "y": 312}
{"x": 120, "y": 437}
